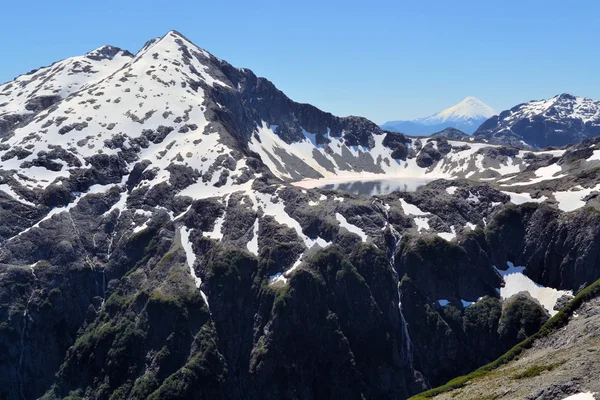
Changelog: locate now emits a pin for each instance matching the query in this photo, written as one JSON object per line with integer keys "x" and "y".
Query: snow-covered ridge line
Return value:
{"x": 561, "y": 120}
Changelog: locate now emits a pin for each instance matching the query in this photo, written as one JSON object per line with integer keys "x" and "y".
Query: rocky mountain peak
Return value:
{"x": 557, "y": 121}
{"x": 107, "y": 52}
{"x": 172, "y": 42}
{"x": 566, "y": 96}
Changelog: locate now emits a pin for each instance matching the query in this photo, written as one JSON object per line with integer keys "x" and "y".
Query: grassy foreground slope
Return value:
{"x": 531, "y": 359}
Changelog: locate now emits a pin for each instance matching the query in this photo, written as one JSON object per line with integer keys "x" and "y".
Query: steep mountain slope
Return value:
{"x": 165, "y": 236}
{"x": 561, "y": 120}
{"x": 33, "y": 92}
{"x": 465, "y": 116}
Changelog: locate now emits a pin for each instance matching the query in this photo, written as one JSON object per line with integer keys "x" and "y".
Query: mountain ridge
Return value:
{"x": 157, "y": 244}
{"x": 558, "y": 121}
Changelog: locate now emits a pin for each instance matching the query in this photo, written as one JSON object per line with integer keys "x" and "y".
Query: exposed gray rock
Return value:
{"x": 428, "y": 155}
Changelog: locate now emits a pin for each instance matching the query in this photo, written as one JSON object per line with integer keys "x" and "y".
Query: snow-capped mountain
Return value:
{"x": 174, "y": 113}
{"x": 561, "y": 120}
{"x": 37, "y": 90}
{"x": 166, "y": 233}
{"x": 465, "y": 116}
{"x": 470, "y": 109}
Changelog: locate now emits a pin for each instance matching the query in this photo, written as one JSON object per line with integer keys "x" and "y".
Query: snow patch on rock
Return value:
{"x": 516, "y": 281}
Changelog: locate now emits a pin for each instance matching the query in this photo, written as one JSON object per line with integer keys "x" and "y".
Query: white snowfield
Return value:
{"x": 461, "y": 162}
{"x": 552, "y": 171}
{"x": 351, "y": 228}
{"x": 520, "y": 198}
{"x": 451, "y": 190}
{"x": 448, "y": 236}
{"x": 124, "y": 96}
{"x": 595, "y": 156}
{"x": 59, "y": 79}
{"x": 573, "y": 199}
{"x": 410, "y": 209}
{"x": 582, "y": 396}
{"x": 516, "y": 281}
{"x": 191, "y": 258}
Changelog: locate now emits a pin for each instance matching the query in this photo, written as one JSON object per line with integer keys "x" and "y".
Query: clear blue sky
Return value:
{"x": 380, "y": 59}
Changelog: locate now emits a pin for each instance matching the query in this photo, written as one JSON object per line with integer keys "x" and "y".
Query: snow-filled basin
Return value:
{"x": 516, "y": 281}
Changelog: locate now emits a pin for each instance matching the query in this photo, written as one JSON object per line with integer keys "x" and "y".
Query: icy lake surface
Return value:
{"x": 366, "y": 187}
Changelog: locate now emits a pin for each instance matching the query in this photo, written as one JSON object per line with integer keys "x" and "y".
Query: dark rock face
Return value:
{"x": 557, "y": 391}
{"x": 56, "y": 196}
{"x": 425, "y": 262}
{"x": 400, "y": 152}
{"x": 452, "y": 133}
{"x": 262, "y": 338}
{"x": 557, "y": 249}
{"x": 441, "y": 144}
{"x": 397, "y": 143}
{"x": 523, "y": 316}
{"x": 8, "y": 122}
{"x": 468, "y": 336}
{"x": 41, "y": 103}
{"x": 428, "y": 155}
{"x": 107, "y": 169}
{"x": 16, "y": 217}
{"x": 139, "y": 325}
{"x": 48, "y": 159}
{"x": 262, "y": 101}
{"x": 392, "y": 139}
{"x": 495, "y": 152}
{"x": 107, "y": 52}
{"x": 465, "y": 337}
{"x": 18, "y": 152}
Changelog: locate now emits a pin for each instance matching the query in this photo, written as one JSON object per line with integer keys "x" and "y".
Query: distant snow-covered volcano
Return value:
{"x": 467, "y": 116}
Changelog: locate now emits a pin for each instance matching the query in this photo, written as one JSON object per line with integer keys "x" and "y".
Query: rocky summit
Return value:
{"x": 168, "y": 232}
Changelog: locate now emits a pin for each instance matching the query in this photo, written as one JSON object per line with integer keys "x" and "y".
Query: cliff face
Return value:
{"x": 142, "y": 323}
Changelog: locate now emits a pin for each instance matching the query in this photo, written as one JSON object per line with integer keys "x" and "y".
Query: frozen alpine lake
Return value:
{"x": 366, "y": 186}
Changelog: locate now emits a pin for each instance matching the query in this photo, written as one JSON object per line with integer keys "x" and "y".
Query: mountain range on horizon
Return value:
{"x": 466, "y": 116}
{"x": 558, "y": 121}
{"x": 174, "y": 227}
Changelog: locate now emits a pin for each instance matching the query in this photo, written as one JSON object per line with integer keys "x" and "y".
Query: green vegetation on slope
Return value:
{"x": 553, "y": 324}
{"x": 536, "y": 370}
